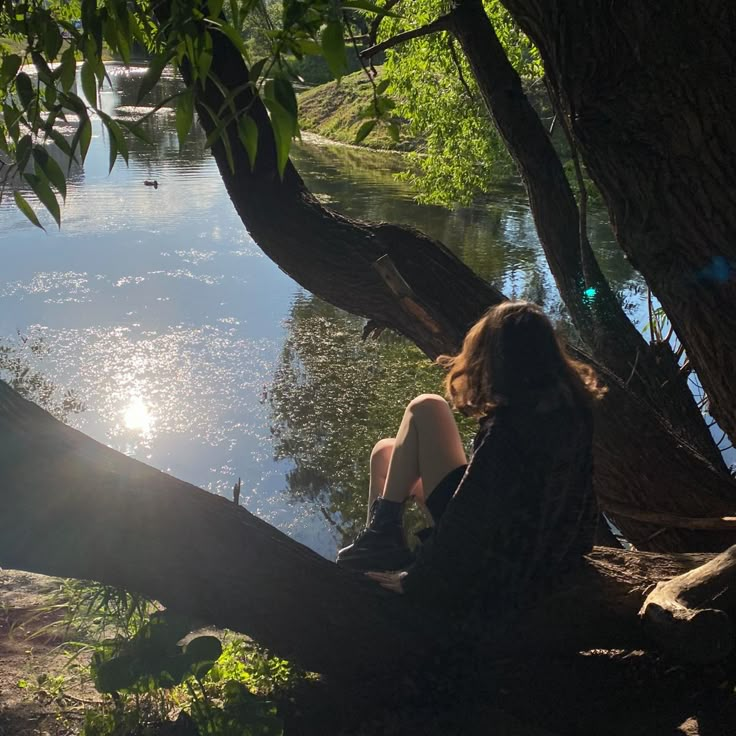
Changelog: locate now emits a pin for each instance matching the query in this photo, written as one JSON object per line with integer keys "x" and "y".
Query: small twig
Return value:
{"x": 650, "y": 306}
{"x": 373, "y": 30}
{"x": 368, "y": 69}
{"x": 456, "y": 62}
{"x": 443, "y": 23}
{"x": 646, "y": 541}
{"x": 585, "y": 248}
{"x": 552, "y": 124}
{"x": 633, "y": 369}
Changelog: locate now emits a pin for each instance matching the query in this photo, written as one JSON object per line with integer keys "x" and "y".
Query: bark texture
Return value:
{"x": 686, "y": 615}
{"x": 75, "y": 508}
{"x": 651, "y": 371}
{"x": 648, "y": 88}
{"x": 335, "y": 257}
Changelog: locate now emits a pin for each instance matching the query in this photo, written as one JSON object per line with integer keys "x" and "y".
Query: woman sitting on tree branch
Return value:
{"x": 522, "y": 510}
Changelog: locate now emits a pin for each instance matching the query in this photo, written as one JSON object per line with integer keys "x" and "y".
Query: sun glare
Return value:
{"x": 137, "y": 416}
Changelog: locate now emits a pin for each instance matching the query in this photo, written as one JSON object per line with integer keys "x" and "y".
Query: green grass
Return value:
{"x": 333, "y": 110}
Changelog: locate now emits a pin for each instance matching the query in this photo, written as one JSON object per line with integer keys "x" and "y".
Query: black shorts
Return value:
{"x": 443, "y": 492}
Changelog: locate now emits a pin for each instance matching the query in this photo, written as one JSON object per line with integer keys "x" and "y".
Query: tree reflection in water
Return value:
{"x": 333, "y": 398}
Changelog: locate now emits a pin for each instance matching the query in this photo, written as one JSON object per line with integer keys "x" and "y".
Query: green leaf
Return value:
{"x": 184, "y": 115}
{"x": 204, "y": 62}
{"x": 117, "y": 134}
{"x": 11, "y": 118}
{"x": 393, "y": 131}
{"x": 67, "y": 69}
{"x": 368, "y": 7}
{"x": 82, "y": 137}
{"x": 152, "y": 75}
{"x": 89, "y": 83}
{"x": 382, "y": 86}
{"x": 10, "y": 66}
{"x": 215, "y": 8}
{"x": 51, "y": 169}
{"x": 113, "y": 150}
{"x": 52, "y": 40}
{"x": 248, "y": 133}
{"x": 60, "y": 141}
{"x": 235, "y": 38}
{"x": 23, "y": 150}
{"x": 137, "y": 130}
{"x": 333, "y": 48}
{"x": 310, "y": 47}
{"x": 364, "y": 130}
{"x": 284, "y": 128}
{"x": 24, "y": 87}
{"x": 27, "y": 210}
{"x": 201, "y": 653}
{"x": 113, "y": 674}
{"x": 256, "y": 69}
{"x": 283, "y": 93}
{"x": 40, "y": 185}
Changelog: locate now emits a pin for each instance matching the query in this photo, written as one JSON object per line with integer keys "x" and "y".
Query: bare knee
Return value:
{"x": 429, "y": 405}
{"x": 382, "y": 450}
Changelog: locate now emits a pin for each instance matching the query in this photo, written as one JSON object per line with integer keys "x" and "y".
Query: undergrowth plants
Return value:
{"x": 156, "y": 677}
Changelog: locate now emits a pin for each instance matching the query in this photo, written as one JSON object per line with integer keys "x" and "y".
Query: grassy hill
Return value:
{"x": 333, "y": 110}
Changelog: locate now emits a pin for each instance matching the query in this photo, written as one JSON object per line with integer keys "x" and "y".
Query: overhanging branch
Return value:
{"x": 442, "y": 23}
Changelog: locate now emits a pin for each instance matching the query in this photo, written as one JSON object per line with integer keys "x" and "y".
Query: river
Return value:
{"x": 185, "y": 347}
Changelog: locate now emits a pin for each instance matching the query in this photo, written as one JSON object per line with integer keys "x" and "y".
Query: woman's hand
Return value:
{"x": 389, "y": 580}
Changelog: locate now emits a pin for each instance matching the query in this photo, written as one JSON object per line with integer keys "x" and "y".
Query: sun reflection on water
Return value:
{"x": 137, "y": 416}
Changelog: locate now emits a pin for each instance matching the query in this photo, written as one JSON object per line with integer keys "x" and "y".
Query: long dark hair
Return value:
{"x": 512, "y": 356}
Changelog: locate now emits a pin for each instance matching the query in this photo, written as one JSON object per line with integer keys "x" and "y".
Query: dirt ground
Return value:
{"x": 41, "y": 692}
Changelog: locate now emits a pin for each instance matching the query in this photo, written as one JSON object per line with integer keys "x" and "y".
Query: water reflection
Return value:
{"x": 332, "y": 399}
{"x": 160, "y": 310}
{"x": 137, "y": 416}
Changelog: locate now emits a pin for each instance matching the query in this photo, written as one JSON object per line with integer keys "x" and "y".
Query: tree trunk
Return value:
{"x": 648, "y": 88}
{"x": 335, "y": 257}
{"x": 75, "y": 508}
{"x": 599, "y": 318}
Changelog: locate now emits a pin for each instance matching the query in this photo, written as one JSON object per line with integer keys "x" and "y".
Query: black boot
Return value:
{"x": 382, "y": 544}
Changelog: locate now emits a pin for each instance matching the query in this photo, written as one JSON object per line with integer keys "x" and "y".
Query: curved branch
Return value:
{"x": 443, "y": 23}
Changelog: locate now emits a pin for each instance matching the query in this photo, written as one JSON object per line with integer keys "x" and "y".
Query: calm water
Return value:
{"x": 191, "y": 351}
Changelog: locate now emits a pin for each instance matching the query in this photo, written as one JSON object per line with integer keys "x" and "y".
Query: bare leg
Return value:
{"x": 427, "y": 447}
{"x": 380, "y": 460}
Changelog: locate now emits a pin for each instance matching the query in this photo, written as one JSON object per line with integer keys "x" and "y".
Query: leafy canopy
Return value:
{"x": 51, "y": 72}
{"x": 436, "y": 92}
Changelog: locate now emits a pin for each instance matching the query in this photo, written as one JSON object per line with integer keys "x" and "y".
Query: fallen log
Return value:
{"x": 687, "y": 615}
{"x": 75, "y": 508}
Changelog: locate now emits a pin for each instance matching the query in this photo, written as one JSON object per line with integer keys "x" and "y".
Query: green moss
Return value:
{"x": 335, "y": 110}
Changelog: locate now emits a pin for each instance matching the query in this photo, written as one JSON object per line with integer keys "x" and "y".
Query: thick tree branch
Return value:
{"x": 442, "y": 23}
{"x": 593, "y": 307}
{"x": 333, "y": 256}
{"x": 668, "y": 186}
{"x": 113, "y": 519}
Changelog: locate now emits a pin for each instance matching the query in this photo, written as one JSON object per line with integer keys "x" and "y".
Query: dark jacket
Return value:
{"x": 523, "y": 513}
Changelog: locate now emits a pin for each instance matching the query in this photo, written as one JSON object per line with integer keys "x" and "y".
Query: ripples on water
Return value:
{"x": 160, "y": 312}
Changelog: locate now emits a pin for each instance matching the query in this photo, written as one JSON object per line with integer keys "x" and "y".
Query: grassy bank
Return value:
{"x": 333, "y": 110}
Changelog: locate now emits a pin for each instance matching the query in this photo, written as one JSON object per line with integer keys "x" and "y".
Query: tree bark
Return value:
{"x": 73, "y": 507}
{"x": 648, "y": 88}
{"x": 652, "y": 372}
{"x": 335, "y": 257}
